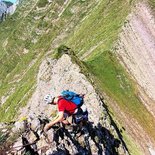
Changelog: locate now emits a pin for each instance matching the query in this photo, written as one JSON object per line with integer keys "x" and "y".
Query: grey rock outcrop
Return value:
{"x": 89, "y": 139}
{"x": 3, "y": 11}
{"x": 99, "y": 136}
{"x": 55, "y": 76}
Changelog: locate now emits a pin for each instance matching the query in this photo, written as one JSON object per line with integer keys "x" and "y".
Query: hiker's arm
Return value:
{"x": 59, "y": 119}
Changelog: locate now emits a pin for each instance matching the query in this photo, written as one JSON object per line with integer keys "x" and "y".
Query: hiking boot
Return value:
{"x": 69, "y": 128}
{"x": 85, "y": 131}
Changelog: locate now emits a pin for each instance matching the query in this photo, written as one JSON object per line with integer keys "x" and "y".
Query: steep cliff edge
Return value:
{"x": 136, "y": 51}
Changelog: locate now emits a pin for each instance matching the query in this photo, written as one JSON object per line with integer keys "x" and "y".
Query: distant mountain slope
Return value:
{"x": 3, "y": 9}
{"x": 8, "y": 3}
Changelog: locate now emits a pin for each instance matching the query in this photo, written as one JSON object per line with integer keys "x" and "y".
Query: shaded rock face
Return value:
{"x": 100, "y": 135}
{"x": 85, "y": 140}
{"x": 136, "y": 51}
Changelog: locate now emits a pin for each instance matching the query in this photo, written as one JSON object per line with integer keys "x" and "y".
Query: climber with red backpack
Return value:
{"x": 70, "y": 108}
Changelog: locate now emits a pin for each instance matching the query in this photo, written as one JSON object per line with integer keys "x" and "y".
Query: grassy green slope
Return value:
{"x": 100, "y": 27}
{"x": 30, "y": 34}
{"x": 152, "y": 4}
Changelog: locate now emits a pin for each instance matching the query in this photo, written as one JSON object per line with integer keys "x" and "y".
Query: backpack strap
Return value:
{"x": 60, "y": 98}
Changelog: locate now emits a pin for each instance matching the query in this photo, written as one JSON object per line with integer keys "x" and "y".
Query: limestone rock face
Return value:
{"x": 56, "y": 76}
{"x": 99, "y": 135}
{"x": 136, "y": 51}
{"x": 88, "y": 139}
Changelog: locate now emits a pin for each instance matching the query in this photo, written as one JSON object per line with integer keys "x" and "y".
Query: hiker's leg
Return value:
{"x": 68, "y": 120}
{"x": 65, "y": 122}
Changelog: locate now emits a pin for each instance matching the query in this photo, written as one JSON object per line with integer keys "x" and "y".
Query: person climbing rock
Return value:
{"x": 70, "y": 108}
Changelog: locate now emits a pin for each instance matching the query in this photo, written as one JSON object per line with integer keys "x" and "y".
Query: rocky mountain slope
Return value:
{"x": 136, "y": 51}
{"x": 100, "y": 136}
{"x": 32, "y": 35}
